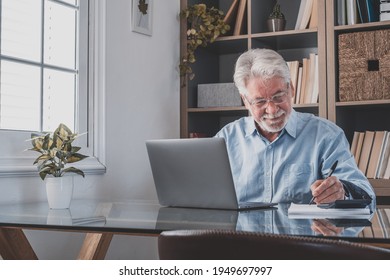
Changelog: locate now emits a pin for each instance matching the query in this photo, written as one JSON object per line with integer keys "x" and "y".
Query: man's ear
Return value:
{"x": 292, "y": 90}
{"x": 246, "y": 104}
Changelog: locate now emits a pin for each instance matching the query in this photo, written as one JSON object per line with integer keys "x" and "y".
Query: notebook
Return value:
{"x": 195, "y": 173}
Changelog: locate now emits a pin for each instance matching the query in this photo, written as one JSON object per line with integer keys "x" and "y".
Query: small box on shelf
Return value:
{"x": 218, "y": 95}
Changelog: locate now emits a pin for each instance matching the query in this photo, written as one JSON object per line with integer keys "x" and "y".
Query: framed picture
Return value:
{"x": 142, "y": 16}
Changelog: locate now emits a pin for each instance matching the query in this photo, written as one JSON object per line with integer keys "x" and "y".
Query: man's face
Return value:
{"x": 269, "y": 102}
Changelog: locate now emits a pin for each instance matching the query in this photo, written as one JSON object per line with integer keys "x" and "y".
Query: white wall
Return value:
{"x": 142, "y": 102}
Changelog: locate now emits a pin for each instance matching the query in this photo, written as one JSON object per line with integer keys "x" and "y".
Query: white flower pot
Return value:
{"x": 59, "y": 191}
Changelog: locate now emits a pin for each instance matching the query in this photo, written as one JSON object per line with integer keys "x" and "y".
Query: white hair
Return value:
{"x": 264, "y": 63}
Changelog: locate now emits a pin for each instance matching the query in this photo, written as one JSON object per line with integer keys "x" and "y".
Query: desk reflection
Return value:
{"x": 273, "y": 220}
{"x": 140, "y": 217}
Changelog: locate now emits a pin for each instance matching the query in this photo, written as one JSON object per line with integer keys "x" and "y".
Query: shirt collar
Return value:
{"x": 290, "y": 128}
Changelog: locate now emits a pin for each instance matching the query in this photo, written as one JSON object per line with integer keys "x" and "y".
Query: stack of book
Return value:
{"x": 304, "y": 78}
{"x": 384, "y": 10}
{"x": 371, "y": 150}
{"x": 357, "y": 11}
{"x": 307, "y": 15}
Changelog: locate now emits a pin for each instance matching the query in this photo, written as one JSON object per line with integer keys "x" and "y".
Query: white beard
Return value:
{"x": 273, "y": 126}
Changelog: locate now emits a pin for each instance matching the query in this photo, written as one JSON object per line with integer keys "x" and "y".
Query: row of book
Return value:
{"x": 371, "y": 150}
{"x": 307, "y": 15}
{"x": 357, "y": 11}
{"x": 380, "y": 224}
{"x": 304, "y": 78}
{"x": 384, "y": 10}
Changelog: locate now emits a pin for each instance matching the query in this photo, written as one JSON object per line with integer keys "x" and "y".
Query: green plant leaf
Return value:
{"x": 75, "y": 149}
{"x": 73, "y": 170}
{"x": 76, "y": 157}
{"x": 43, "y": 157}
{"x": 56, "y": 151}
{"x": 42, "y": 175}
{"x": 204, "y": 26}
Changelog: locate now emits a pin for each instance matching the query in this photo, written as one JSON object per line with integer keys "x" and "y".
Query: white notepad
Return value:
{"x": 306, "y": 211}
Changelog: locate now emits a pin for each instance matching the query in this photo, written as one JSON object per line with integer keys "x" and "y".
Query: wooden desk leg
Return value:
{"x": 14, "y": 245}
{"x": 95, "y": 246}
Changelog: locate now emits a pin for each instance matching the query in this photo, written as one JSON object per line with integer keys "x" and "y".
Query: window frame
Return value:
{"x": 15, "y": 161}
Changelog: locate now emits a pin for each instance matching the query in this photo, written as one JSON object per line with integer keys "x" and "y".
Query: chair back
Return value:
{"x": 231, "y": 245}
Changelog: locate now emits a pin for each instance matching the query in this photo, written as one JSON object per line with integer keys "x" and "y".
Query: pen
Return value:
{"x": 332, "y": 169}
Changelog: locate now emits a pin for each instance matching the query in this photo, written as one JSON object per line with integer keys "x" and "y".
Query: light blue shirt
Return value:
{"x": 283, "y": 170}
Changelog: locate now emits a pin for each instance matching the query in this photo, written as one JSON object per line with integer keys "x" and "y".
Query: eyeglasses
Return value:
{"x": 261, "y": 103}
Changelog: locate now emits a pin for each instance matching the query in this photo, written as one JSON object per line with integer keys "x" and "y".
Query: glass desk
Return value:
{"x": 101, "y": 220}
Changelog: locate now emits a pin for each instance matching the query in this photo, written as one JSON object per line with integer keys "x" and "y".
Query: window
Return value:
{"x": 49, "y": 53}
{"x": 39, "y": 63}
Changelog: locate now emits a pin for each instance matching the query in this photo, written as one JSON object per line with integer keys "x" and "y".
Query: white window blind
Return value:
{"x": 39, "y": 45}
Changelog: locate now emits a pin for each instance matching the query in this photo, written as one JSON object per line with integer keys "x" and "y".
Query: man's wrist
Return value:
{"x": 347, "y": 194}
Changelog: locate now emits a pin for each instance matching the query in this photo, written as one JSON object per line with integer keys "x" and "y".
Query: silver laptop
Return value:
{"x": 195, "y": 173}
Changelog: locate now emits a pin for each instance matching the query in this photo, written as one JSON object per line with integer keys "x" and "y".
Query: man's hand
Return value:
{"x": 328, "y": 190}
{"x": 325, "y": 228}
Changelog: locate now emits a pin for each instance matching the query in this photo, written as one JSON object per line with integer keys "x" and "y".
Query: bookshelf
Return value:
{"x": 351, "y": 116}
{"x": 215, "y": 64}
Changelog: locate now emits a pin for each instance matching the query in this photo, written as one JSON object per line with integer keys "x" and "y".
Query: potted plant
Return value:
{"x": 204, "y": 25}
{"x": 276, "y": 20}
{"x": 56, "y": 153}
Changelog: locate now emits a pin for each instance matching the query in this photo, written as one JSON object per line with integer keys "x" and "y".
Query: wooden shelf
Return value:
{"x": 284, "y": 33}
{"x": 360, "y": 26}
{"x": 216, "y": 109}
{"x": 381, "y": 186}
{"x": 363, "y": 102}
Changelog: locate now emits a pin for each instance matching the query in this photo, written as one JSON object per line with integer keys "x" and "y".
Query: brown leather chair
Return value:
{"x": 231, "y": 245}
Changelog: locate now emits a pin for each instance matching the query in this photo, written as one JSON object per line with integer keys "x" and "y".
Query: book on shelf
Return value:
{"x": 300, "y": 14}
{"x": 231, "y": 13}
{"x": 366, "y": 150}
{"x": 299, "y": 84}
{"x": 352, "y": 13}
{"x": 385, "y": 16}
{"x": 305, "y": 66}
{"x": 310, "y": 77}
{"x": 377, "y": 228}
{"x": 341, "y": 12}
{"x": 362, "y": 10}
{"x": 372, "y": 10}
{"x": 359, "y": 146}
{"x": 354, "y": 142}
{"x": 371, "y": 150}
{"x": 316, "y": 87}
{"x": 294, "y": 67}
{"x": 368, "y": 10}
{"x": 384, "y": 157}
{"x": 386, "y": 174}
{"x": 304, "y": 13}
{"x": 383, "y": 215}
{"x": 240, "y": 17}
{"x": 376, "y": 151}
{"x": 314, "y": 15}
{"x": 384, "y": 11}
{"x": 304, "y": 78}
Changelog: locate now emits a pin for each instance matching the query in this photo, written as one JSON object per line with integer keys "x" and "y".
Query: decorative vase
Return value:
{"x": 276, "y": 24}
{"x": 59, "y": 191}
